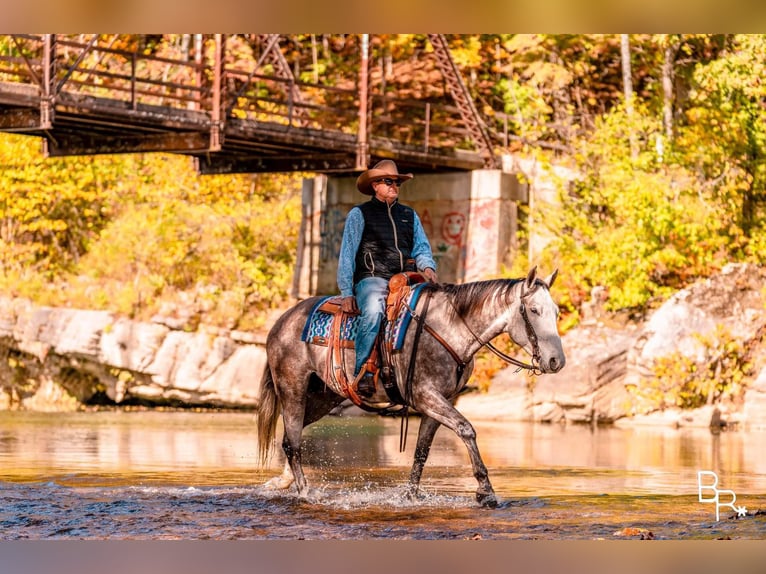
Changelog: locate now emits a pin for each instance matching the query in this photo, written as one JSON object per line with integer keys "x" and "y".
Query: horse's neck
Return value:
{"x": 487, "y": 321}
{"x": 479, "y": 326}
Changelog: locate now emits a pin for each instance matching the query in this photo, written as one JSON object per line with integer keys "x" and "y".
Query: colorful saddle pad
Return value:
{"x": 318, "y": 327}
{"x": 396, "y": 330}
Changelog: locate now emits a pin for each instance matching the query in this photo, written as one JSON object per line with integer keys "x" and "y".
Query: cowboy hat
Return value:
{"x": 381, "y": 170}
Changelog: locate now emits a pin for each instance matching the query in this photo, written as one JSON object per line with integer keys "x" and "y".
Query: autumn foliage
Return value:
{"x": 665, "y": 182}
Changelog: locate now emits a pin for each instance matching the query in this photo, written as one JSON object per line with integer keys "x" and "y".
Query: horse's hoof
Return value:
{"x": 277, "y": 483}
{"x": 487, "y": 500}
{"x": 414, "y": 494}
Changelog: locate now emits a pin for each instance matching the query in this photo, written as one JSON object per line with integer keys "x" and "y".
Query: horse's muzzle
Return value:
{"x": 554, "y": 365}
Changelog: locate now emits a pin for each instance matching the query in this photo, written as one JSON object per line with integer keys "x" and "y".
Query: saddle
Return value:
{"x": 335, "y": 329}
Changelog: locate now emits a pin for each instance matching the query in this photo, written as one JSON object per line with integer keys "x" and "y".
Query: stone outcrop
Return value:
{"x": 754, "y": 410}
{"x": 58, "y": 358}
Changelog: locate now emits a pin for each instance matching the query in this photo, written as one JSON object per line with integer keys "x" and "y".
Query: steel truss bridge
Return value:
{"x": 93, "y": 94}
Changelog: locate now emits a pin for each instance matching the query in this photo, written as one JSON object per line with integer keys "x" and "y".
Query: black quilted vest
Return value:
{"x": 387, "y": 240}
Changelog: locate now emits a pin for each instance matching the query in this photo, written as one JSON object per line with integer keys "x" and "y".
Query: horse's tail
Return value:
{"x": 267, "y": 414}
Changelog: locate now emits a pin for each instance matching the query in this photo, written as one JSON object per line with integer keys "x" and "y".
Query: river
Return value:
{"x": 149, "y": 475}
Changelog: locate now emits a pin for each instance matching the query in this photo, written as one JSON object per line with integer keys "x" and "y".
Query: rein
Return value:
{"x": 461, "y": 364}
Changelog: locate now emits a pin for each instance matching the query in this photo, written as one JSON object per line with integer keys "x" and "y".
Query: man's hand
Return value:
{"x": 348, "y": 304}
{"x": 430, "y": 274}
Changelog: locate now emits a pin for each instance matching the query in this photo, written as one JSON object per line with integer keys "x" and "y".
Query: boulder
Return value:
{"x": 754, "y": 410}
{"x": 59, "y": 358}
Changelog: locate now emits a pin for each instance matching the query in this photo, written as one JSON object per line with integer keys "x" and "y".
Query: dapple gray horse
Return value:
{"x": 455, "y": 322}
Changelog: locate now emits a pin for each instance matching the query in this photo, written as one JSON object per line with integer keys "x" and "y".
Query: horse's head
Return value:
{"x": 533, "y": 323}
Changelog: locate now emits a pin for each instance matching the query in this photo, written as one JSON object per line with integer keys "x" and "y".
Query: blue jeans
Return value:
{"x": 371, "y": 299}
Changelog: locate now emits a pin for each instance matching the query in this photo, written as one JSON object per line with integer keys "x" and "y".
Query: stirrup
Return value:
{"x": 364, "y": 384}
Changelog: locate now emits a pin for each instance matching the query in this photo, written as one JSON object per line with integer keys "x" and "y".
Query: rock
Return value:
{"x": 589, "y": 389}
{"x": 131, "y": 345}
{"x": 754, "y": 411}
{"x": 64, "y": 357}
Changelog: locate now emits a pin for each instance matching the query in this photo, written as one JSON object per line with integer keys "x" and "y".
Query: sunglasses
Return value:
{"x": 388, "y": 181}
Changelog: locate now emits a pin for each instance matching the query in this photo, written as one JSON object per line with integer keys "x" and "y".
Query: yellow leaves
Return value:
{"x": 467, "y": 54}
{"x": 550, "y": 75}
{"x": 523, "y": 42}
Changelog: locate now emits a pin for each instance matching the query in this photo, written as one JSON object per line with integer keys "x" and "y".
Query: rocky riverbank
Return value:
{"x": 59, "y": 359}
{"x": 62, "y": 359}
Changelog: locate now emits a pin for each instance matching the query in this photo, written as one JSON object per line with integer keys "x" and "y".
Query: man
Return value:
{"x": 381, "y": 238}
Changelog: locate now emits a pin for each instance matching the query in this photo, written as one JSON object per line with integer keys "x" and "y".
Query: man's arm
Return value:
{"x": 421, "y": 251}
{"x": 352, "y": 236}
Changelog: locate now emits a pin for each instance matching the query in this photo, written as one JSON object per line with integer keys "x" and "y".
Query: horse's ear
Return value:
{"x": 531, "y": 276}
{"x": 551, "y": 278}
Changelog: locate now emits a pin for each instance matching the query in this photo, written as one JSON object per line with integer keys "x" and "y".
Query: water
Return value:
{"x": 179, "y": 475}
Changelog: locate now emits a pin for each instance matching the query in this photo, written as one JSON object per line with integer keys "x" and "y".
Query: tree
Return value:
{"x": 724, "y": 136}
{"x": 627, "y": 86}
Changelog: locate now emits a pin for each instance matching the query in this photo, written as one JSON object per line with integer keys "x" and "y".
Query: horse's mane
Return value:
{"x": 468, "y": 296}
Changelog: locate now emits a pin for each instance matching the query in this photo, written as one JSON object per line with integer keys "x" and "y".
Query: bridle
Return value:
{"x": 534, "y": 367}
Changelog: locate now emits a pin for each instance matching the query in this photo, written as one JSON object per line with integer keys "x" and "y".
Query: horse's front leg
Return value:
{"x": 438, "y": 407}
{"x": 426, "y": 432}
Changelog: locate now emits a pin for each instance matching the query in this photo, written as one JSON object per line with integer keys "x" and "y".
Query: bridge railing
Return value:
{"x": 94, "y": 67}
{"x": 21, "y": 59}
{"x": 127, "y": 76}
{"x": 81, "y": 70}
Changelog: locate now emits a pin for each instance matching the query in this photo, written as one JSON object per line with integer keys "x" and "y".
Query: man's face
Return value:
{"x": 386, "y": 189}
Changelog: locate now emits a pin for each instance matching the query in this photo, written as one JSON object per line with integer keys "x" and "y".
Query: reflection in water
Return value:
{"x": 196, "y": 475}
{"x": 654, "y": 460}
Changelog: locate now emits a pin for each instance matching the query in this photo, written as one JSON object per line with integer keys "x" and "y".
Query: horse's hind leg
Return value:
{"x": 314, "y": 404}
{"x": 438, "y": 407}
{"x": 283, "y": 481}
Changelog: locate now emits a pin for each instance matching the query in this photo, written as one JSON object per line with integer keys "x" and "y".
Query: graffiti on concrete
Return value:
{"x": 453, "y": 228}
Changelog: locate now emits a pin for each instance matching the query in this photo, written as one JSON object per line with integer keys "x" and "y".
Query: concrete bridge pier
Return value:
{"x": 470, "y": 217}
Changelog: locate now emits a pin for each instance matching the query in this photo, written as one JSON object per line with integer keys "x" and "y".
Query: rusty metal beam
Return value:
{"x": 217, "y": 115}
{"x": 71, "y": 144}
{"x": 210, "y": 165}
{"x": 427, "y": 161}
{"x": 80, "y": 57}
{"x": 73, "y": 122}
{"x": 20, "y": 120}
{"x": 30, "y": 66}
{"x": 363, "y": 144}
{"x": 47, "y": 89}
{"x": 281, "y": 66}
{"x": 299, "y": 137}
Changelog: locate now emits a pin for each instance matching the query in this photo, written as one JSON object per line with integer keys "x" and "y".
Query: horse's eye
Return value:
{"x": 535, "y": 310}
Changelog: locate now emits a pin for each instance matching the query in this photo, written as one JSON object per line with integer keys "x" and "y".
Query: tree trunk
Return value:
{"x": 668, "y": 78}
{"x": 627, "y": 83}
